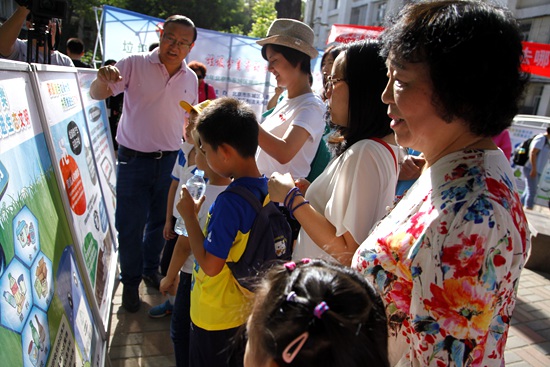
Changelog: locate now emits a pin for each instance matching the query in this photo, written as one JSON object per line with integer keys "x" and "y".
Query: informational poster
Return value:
{"x": 78, "y": 315}
{"x": 519, "y": 132}
{"x": 71, "y": 147}
{"x": 35, "y": 327}
{"x": 97, "y": 121}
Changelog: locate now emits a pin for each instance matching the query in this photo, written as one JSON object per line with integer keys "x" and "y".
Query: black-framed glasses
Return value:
{"x": 180, "y": 44}
{"x": 331, "y": 80}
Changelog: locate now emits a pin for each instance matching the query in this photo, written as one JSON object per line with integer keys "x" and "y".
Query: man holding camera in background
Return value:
{"x": 16, "y": 49}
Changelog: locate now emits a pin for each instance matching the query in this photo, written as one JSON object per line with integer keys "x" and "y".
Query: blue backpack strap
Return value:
{"x": 247, "y": 195}
{"x": 268, "y": 241}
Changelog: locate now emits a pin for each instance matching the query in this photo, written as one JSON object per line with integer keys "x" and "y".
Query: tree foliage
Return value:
{"x": 218, "y": 15}
{"x": 247, "y": 17}
{"x": 263, "y": 14}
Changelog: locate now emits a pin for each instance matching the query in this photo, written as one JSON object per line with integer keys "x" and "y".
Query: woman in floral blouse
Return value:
{"x": 447, "y": 259}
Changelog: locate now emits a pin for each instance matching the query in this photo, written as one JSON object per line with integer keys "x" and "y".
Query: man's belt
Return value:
{"x": 134, "y": 153}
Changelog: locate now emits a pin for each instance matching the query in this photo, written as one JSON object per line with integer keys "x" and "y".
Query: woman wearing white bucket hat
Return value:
{"x": 290, "y": 135}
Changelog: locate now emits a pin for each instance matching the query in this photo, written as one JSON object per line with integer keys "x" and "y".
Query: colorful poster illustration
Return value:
{"x": 34, "y": 233}
{"x": 72, "y": 148}
{"x": 79, "y": 319}
{"x": 102, "y": 149}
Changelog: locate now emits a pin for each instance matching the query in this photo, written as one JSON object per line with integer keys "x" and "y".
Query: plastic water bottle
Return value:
{"x": 196, "y": 187}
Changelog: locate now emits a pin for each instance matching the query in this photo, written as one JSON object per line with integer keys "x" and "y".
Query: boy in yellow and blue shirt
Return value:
{"x": 228, "y": 136}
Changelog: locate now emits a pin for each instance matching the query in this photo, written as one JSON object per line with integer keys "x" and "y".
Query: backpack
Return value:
{"x": 520, "y": 156}
{"x": 269, "y": 239}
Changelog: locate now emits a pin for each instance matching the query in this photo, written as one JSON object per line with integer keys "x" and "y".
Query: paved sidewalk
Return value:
{"x": 529, "y": 337}
{"x": 138, "y": 340}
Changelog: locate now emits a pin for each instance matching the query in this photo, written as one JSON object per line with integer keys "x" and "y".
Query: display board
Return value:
{"x": 520, "y": 131}
{"x": 97, "y": 121}
{"x": 71, "y": 147}
{"x": 45, "y": 314}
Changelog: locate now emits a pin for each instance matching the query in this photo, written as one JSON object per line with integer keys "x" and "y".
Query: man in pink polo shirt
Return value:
{"x": 149, "y": 134}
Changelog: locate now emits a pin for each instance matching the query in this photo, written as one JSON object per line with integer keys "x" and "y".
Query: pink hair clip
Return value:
{"x": 295, "y": 345}
{"x": 290, "y": 266}
{"x": 306, "y": 260}
{"x": 320, "y": 309}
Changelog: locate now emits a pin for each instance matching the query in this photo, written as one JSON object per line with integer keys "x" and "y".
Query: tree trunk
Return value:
{"x": 289, "y": 9}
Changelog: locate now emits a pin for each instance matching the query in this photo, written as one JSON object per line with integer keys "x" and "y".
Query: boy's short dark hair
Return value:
{"x": 229, "y": 121}
{"x": 75, "y": 46}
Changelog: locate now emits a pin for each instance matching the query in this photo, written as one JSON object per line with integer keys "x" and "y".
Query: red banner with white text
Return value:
{"x": 536, "y": 58}
{"x": 345, "y": 33}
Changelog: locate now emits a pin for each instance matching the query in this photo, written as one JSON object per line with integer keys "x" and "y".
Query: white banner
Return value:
{"x": 235, "y": 64}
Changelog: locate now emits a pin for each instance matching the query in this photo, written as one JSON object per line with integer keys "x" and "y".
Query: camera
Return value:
{"x": 49, "y": 8}
{"x": 46, "y": 9}
{"x": 42, "y": 12}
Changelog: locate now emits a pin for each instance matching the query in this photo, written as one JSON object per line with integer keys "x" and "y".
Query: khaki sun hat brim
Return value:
{"x": 291, "y": 42}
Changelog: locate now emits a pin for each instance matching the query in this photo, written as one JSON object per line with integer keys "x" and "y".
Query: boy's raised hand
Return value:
{"x": 279, "y": 185}
{"x": 187, "y": 206}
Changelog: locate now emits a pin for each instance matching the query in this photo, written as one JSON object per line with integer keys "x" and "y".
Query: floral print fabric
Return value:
{"x": 447, "y": 261}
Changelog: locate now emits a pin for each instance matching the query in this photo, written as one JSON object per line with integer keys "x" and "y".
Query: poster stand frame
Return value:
{"x": 37, "y": 68}
{"x": 35, "y": 103}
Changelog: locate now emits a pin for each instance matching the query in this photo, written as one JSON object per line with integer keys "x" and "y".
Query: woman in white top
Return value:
{"x": 358, "y": 185}
{"x": 290, "y": 135}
